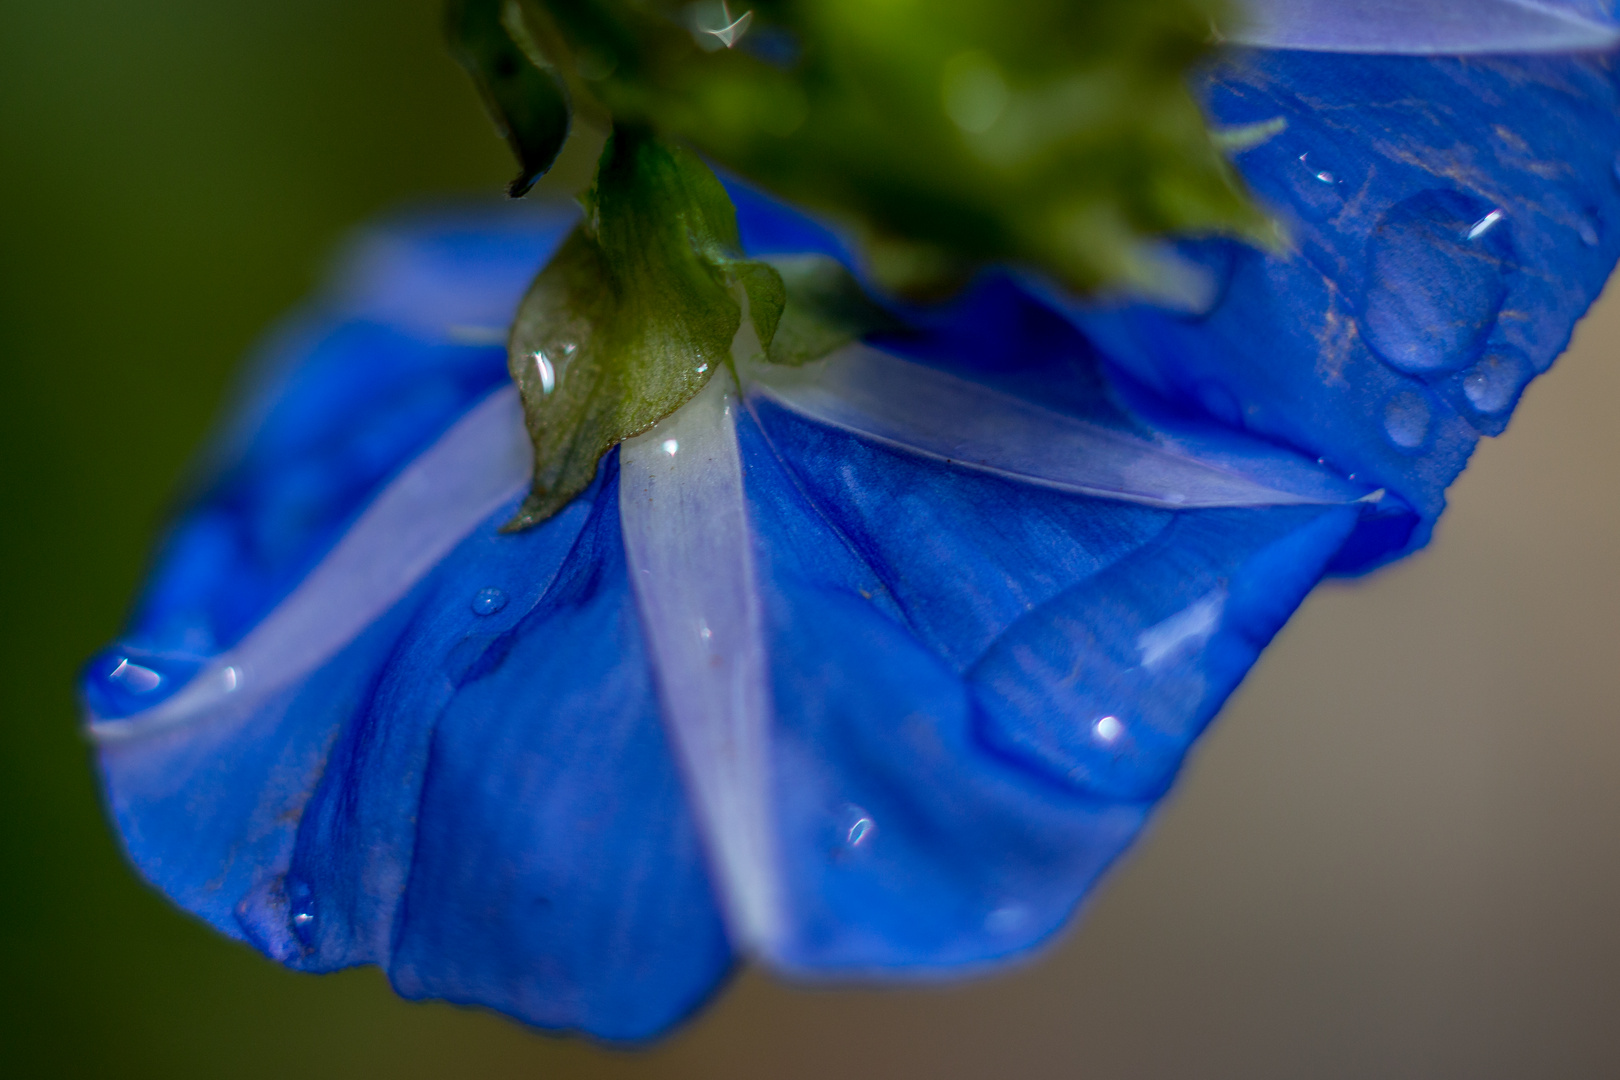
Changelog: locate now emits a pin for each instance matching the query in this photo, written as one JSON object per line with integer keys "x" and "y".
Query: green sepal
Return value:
{"x": 826, "y": 309}
{"x": 633, "y": 315}
{"x": 525, "y": 96}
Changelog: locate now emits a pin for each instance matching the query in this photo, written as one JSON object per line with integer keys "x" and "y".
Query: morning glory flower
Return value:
{"x": 865, "y": 667}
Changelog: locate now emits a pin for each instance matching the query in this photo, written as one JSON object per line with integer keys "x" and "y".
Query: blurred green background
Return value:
{"x": 1398, "y": 854}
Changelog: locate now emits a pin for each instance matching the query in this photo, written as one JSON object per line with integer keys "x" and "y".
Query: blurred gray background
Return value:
{"x": 1396, "y": 855}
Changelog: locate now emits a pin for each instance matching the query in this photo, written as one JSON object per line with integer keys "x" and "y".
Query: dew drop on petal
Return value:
{"x": 670, "y": 447}
{"x": 1588, "y": 232}
{"x": 1438, "y": 270}
{"x": 124, "y": 681}
{"x": 1108, "y": 729}
{"x": 135, "y": 678}
{"x": 860, "y": 828}
{"x": 1406, "y": 419}
{"x": 1318, "y": 186}
{"x": 301, "y": 911}
{"x": 488, "y": 601}
{"x": 1493, "y": 385}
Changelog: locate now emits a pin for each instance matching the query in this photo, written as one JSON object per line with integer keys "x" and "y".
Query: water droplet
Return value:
{"x": 1484, "y": 225}
{"x": 1108, "y": 728}
{"x": 1406, "y": 419}
{"x": 488, "y": 601}
{"x": 670, "y": 446}
{"x": 859, "y": 831}
{"x": 301, "y": 911}
{"x": 1318, "y": 185}
{"x": 1493, "y": 385}
{"x": 547, "y": 374}
{"x": 123, "y": 681}
{"x": 1588, "y": 233}
{"x": 859, "y": 828}
{"x": 701, "y": 368}
{"x": 1437, "y": 276}
{"x": 136, "y": 678}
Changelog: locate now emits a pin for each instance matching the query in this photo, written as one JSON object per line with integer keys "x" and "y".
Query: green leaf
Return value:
{"x": 826, "y": 309}
{"x": 946, "y": 133}
{"x": 524, "y": 95}
{"x": 633, "y": 315}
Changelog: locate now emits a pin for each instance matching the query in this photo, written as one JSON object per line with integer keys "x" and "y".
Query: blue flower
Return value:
{"x": 863, "y": 669}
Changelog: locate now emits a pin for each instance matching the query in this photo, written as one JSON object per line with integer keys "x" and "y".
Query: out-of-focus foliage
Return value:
{"x": 522, "y": 93}
{"x": 947, "y": 133}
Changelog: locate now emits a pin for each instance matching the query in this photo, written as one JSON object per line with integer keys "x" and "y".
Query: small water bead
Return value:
{"x": 301, "y": 911}
{"x": 1318, "y": 187}
{"x": 1588, "y": 233}
{"x": 1493, "y": 385}
{"x": 546, "y": 373}
{"x": 1437, "y": 266}
{"x": 123, "y": 681}
{"x": 1406, "y": 419}
{"x": 488, "y": 601}
{"x": 1484, "y": 225}
{"x": 136, "y": 678}
{"x": 861, "y": 828}
{"x": 1108, "y": 729}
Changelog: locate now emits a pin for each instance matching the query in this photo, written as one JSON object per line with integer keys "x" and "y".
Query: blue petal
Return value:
{"x": 944, "y": 644}
{"x": 207, "y": 812}
{"x": 296, "y": 821}
{"x": 1452, "y": 220}
{"x": 356, "y": 837}
{"x": 557, "y": 873}
{"x": 980, "y": 687}
{"x": 335, "y": 409}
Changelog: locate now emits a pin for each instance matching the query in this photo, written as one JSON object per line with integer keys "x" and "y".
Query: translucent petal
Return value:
{"x": 1422, "y": 27}
{"x": 690, "y": 553}
{"x": 474, "y": 468}
{"x": 932, "y": 413}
